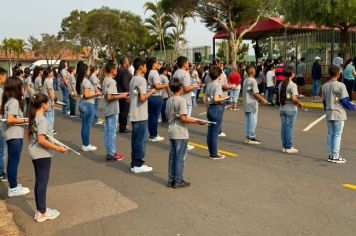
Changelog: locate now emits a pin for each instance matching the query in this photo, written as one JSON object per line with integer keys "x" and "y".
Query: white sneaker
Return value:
{"x": 156, "y": 139}
{"x": 141, "y": 169}
{"x": 100, "y": 122}
{"x": 89, "y": 148}
{"x": 283, "y": 150}
{"x": 18, "y": 191}
{"x": 50, "y": 214}
{"x": 190, "y": 147}
{"x": 292, "y": 151}
{"x": 222, "y": 134}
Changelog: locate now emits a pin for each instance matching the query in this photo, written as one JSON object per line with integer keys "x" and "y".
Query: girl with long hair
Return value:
{"x": 40, "y": 150}
{"x": 86, "y": 106}
{"x": 95, "y": 81}
{"x": 49, "y": 91}
{"x": 12, "y": 109}
{"x": 37, "y": 79}
{"x": 288, "y": 98}
{"x": 155, "y": 101}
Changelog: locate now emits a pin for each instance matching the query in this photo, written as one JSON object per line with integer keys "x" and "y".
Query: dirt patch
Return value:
{"x": 7, "y": 224}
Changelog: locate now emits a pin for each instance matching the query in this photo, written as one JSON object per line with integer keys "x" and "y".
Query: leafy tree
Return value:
{"x": 13, "y": 48}
{"x": 116, "y": 31}
{"x": 49, "y": 47}
{"x": 227, "y": 15}
{"x": 158, "y": 23}
{"x": 333, "y": 13}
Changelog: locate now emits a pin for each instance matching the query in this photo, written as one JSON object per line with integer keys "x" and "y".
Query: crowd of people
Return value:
{"x": 146, "y": 92}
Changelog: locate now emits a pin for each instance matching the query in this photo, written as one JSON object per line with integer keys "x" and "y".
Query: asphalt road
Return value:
{"x": 259, "y": 192}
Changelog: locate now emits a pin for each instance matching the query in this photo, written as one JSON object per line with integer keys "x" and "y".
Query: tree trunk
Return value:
{"x": 345, "y": 42}
{"x": 233, "y": 43}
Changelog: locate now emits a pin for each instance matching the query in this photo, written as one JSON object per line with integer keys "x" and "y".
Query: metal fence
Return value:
{"x": 196, "y": 54}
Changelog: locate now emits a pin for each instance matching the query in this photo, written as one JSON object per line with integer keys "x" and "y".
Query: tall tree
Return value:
{"x": 333, "y": 13}
{"x": 50, "y": 47}
{"x": 159, "y": 22}
{"x": 227, "y": 15}
{"x": 13, "y": 48}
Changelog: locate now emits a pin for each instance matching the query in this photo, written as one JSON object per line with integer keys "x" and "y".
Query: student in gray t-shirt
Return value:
{"x": 178, "y": 134}
{"x": 12, "y": 109}
{"x": 251, "y": 97}
{"x": 38, "y": 85}
{"x": 139, "y": 116}
{"x": 41, "y": 153}
{"x": 335, "y": 100}
{"x": 184, "y": 76}
{"x": 165, "y": 92}
{"x": 111, "y": 111}
{"x": 49, "y": 91}
{"x": 288, "y": 97}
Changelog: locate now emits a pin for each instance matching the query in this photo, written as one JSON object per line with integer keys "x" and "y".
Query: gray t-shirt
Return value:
{"x": 222, "y": 81}
{"x": 292, "y": 90}
{"x": 28, "y": 81}
{"x": 184, "y": 77}
{"x": 47, "y": 85}
{"x": 110, "y": 107}
{"x": 72, "y": 83}
{"x": 177, "y": 129}
{"x": 36, "y": 150}
{"x": 301, "y": 70}
{"x": 164, "y": 80}
{"x": 212, "y": 90}
{"x": 38, "y": 84}
{"x": 153, "y": 78}
{"x": 95, "y": 80}
{"x": 250, "y": 88}
{"x": 25, "y": 83}
{"x": 332, "y": 92}
{"x": 87, "y": 85}
{"x": 138, "y": 109}
{"x": 12, "y": 107}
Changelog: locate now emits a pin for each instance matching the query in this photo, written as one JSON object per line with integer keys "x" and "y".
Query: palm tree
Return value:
{"x": 159, "y": 22}
{"x": 13, "y": 47}
{"x": 179, "y": 17}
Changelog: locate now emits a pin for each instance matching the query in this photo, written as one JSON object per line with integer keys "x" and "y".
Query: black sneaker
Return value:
{"x": 54, "y": 132}
{"x": 254, "y": 141}
{"x": 3, "y": 177}
{"x": 217, "y": 157}
{"x": 170, "y": 183}
{"x": 109, "y": 158}
{"x": 181, "y": 184}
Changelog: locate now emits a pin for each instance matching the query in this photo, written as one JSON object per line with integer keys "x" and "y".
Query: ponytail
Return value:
{"x": 287, "y": 73}
{"x": 35, "y": 103}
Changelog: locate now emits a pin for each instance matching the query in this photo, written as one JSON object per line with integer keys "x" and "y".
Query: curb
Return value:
{"x": 7, "y": 224}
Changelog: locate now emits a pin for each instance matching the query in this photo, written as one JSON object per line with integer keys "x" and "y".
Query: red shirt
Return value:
{"x": 234, "y": 78}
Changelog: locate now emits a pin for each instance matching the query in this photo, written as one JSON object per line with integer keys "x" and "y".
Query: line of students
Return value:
{"x": 177, "y": 111}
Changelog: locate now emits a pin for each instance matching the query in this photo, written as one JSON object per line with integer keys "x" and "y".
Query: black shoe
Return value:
{"x": 3, "y": 177}
{"x": 125, "y": 131}
{"x": 181, "y": 184}
{"x": 54, "y": 132}
{"x": 109, "y": 158}
{"x": 170, "y": 183}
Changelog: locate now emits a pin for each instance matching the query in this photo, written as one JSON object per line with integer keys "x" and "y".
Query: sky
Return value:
{"x": 24, "y": 18}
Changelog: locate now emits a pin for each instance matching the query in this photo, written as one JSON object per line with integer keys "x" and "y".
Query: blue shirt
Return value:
{"x": 348, "y": 72}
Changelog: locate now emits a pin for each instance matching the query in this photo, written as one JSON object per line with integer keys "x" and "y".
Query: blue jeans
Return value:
{"x": 49, "y": 114}
{"x": 42, "y": 168}
{"x": 163, "y": 110}
{"x": 270, "y": 91}
{"x": 287, "y": 123}
{"x": 154, "y": 109}
{"x": 55, "y": 83}
{"x": 316, "y": 88}
{"x": 214, "y": 114}
{"x": 110, "y": 134}
{"x": 177, "y": 154}
{"x": 65, "y": 108}
{"x": 335, "y": 128}
{"x": 96, "y": 107}
{"x": 138, "y": 142}
{"x": 87, "y": 115}
{"x": 2, "y": 152}
{"x": 14, "y": 148}
{"x": 250, "y": 124}
{"x": 234, "y": 95}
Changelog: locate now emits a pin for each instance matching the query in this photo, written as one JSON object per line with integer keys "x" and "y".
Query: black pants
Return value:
{"x": 42, "y": 167}
{"x": 124, "y": 112}
{"x": 277, "y": 91}
{"x": 349, "y": 86}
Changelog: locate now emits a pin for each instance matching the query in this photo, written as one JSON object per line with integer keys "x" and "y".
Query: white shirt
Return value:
{"x": 269, "y": 76}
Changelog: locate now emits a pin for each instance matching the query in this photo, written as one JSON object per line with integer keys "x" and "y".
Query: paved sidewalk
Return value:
{"x": 7, "y": 224}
